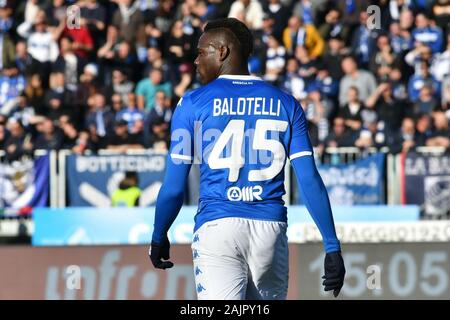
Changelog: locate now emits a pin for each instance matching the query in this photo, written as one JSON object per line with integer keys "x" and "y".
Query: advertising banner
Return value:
{"x": 24, "y": 184}
{"x": 103, "y": 226}
{"x": 427, "y": 182}
{"x": 91, "y": 180}
{"x": 374, "y": 271}
{"x": 358, "y": 183}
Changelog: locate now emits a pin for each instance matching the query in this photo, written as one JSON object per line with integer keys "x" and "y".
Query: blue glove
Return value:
{"x": 160, "y": 251}
{"x": 334, "y": 272}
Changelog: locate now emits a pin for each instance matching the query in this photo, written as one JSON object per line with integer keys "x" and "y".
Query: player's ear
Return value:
{"x": 224, "y": 51}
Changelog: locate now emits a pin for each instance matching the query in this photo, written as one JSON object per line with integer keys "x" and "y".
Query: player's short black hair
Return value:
{"x": 238, "y": 29}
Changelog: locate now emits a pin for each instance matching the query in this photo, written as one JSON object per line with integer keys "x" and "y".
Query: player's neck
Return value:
{"x": 234, "y": 70}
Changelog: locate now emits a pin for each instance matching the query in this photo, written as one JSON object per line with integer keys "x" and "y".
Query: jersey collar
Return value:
{"x": 239, "y": 77}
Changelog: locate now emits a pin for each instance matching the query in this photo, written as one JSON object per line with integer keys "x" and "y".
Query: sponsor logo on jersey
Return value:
{"x": 251, "y": 193}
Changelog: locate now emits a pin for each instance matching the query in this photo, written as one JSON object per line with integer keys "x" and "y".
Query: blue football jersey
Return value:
{"x": 240, "y": 130}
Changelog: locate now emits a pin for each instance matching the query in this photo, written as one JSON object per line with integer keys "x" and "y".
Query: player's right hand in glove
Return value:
{"x": 159, "y": 251}
{"x": 334, "y": 272}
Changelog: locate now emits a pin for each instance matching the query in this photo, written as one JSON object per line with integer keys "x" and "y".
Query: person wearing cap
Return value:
{"x": 121, "y": 140}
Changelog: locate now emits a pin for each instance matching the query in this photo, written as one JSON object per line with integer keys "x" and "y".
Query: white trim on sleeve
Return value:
{"x": 180, "y": 157}
{"x": 300, "y": 154}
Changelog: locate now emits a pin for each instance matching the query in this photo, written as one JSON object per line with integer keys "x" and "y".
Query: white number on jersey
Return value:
{"x": 235, "y": 131}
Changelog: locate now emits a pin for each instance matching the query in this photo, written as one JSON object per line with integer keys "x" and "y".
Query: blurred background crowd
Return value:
{"x": 108, "y": 74}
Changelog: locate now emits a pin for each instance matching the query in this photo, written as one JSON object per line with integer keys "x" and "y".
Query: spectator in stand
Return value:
{"x": 440, "y": 64}
{"x": 19, "y": 142}
{"x": 390, "y": 110}
{"x": 372, "y": 134}
{"x": 158, "y": 120}
{"x": 352, "y": 111}
{"x": 155, "y": 60}
{"x": 178, "y": 45}
{"x": 307, "y": 65}
{"x": 399, "y": 90}
{"x": 99, "y": 121}
{"x": 82, "y": 41}
{"x": 297, "y": 33}
{"x": 248, "y": 11}
{"x": 427, "y": 34}
{"x": 361, "y": 79}
{"x": 69, "y": 132}
{"x": 327, "y": 86}
{"x": 128, "y": 23}
{"x": 317, "y": 112}
{"x": 382, "y": 61}
{"x": 41, "y": 44}
{"x": 185, "y": 80}
{"x": 120, "y": 85}
{"x": 116, "y": 104}
{"x": 309, "y": 10}
{"x": 332, "y": 59}
{"x": 333, "y": 26}
{"x": 441, "y": 13}
{"x": 147, "y": 88}
{"x": 164, "y": 15}
{"x": 405, "y": 139}
{"x": 87, "y": 87}
{"x": 426, "y": 103}
{"x": 49, "y": 137}
{"x": 6, "y": 18}
{"x": 23, "y": 112}
{"x": 7, "y": 45}
{"x": 24, "y": 61}
{"x": 277, "y": 11}
{"x": 364, "y": 41}
{"x": 35, "y": 93}
{"x": 121, "y": 140}
{"x": 131, "y": 113}
{"x": 123, "y": 57}
{"x": 423, "y": 129}
{"x": 340, "y": 135}
{"x": 401, "y": 39}
{"x": 291, "y": 82}
{"x": 421, "y": 53}
{"x": 68, "y": 64}
{"x": 11, "y": 86}
{"x": 440, "y": 136}
{"x": 275, "y": 60}
{"x": 351, "y": 11}
{"x": 94, "y": 15}
{"x": 421, "y": 79}
{"x": 55, "y": 11}
{"x": 56, "y": 97}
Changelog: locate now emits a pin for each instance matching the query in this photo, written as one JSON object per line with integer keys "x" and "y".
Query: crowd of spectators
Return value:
{"x": 89, "y": 75}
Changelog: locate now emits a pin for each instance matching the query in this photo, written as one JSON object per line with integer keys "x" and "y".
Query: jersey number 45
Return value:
{"x": 235, "y": 131}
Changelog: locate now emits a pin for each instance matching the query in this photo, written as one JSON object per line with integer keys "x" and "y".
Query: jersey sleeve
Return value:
{"x": 300, "y": 144}
{"x": 182, "y": 132}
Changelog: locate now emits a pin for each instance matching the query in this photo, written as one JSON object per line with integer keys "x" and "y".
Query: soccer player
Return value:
{"x": 240, "y": 247}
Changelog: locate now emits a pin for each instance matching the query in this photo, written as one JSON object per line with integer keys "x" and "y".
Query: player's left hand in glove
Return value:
{"x": 159, "y": 251}
{"x": 334, "y": 272}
